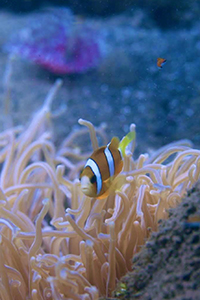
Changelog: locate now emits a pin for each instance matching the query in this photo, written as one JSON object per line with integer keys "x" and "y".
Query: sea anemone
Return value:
{"x": 48, "y": 251}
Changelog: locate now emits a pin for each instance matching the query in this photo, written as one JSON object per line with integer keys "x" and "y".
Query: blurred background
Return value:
{"x": 106, "y": 53}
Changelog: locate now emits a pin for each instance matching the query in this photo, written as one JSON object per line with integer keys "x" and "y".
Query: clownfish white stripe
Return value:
{"x": 95, "y": 169}
{"x": 110, "y": 161}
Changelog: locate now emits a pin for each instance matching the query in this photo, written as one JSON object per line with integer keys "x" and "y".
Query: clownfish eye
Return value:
{"x": 93, "y": 179}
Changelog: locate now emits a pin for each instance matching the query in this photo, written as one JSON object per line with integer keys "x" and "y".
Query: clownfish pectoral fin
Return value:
{"x": 118, "y": 183}
{"x": 108, "y": 182}
{"x": 114, "y": 185}
{"x": 125, "y": 141}
{"x": 103, "y": 195}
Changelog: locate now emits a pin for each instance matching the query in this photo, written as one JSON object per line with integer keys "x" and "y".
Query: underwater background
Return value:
{"x": 122, "y": 84}
{"x": 106, "y": 54}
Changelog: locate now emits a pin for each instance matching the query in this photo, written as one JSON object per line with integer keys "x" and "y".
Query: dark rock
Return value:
{"x": 174, "y": 267}
{"x": 186, "y": 275}
{"x": 195, "y": 263}
{"x": 195, "y": 238}
{"x": 197, "y": 250}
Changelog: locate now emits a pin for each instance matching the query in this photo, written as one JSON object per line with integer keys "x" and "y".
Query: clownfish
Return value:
{"x": 103, "y": 166}
{"x": 161, "y": 62}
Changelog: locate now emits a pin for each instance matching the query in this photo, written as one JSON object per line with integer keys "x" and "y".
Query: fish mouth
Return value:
{"x": 86, "y": 186}
{"x": 86, "y": 190}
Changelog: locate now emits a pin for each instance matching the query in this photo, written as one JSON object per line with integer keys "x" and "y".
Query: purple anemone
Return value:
{"x": 57, "y": 42}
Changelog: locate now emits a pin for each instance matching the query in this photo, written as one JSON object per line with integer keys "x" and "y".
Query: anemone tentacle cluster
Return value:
{"x": 50, "y": 252}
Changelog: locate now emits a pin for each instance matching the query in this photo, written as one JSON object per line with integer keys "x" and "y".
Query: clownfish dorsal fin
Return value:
{"x": 125, "y": 141}
{"x": 114, "y": 144}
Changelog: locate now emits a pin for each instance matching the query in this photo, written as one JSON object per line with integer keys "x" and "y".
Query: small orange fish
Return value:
{"x": 161, "y": 62}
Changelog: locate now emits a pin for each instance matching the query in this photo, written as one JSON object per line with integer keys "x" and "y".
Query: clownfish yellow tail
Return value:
{"x": 126, "y": 141}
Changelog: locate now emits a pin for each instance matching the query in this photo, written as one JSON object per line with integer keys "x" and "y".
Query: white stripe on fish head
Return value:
{"x": 95, "y": 169}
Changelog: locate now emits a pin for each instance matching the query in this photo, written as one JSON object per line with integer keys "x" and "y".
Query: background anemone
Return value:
{"x": 57, "y": 41}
